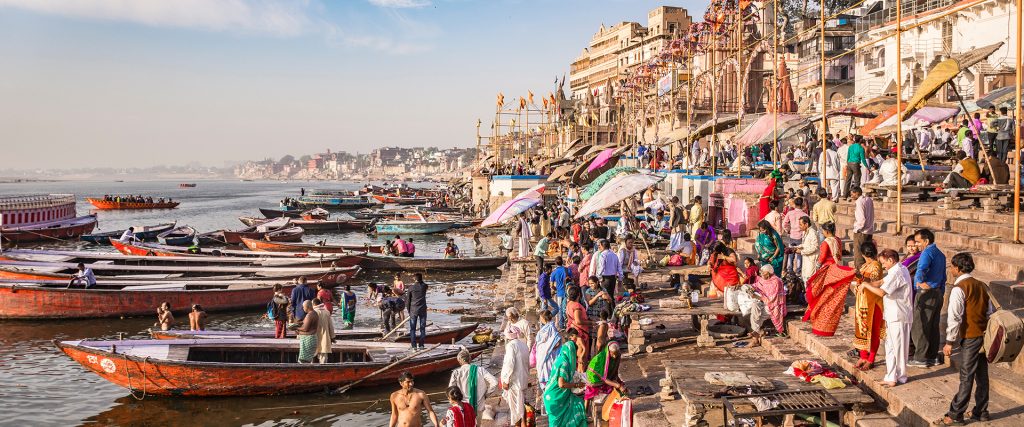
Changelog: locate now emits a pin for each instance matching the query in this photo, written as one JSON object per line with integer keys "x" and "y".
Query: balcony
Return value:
{"x": 910, "y": 7}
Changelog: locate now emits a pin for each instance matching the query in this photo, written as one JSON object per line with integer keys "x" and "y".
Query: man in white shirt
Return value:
{"x": 128, "y": 236}
{"x": 484, "y": 384}
{"x": 830, "y": 158}
{"x": 924, "y": 140}
{"x": 887, "y": 171}
{"x": 84, "y": 276}
{"x": 844, "y": 154}
{"x": 897, "y": 312}
{"x": 605, "y": 264}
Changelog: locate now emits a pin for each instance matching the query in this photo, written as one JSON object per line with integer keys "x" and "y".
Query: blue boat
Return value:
{"x": 181, "y": 236}
{"x": 412, "y": 227}
{"x": 143, "y": 233}
{"x": 328, "y": 201}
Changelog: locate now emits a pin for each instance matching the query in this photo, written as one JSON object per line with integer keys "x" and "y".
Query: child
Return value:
{"x": 544, "y": 289}
{"x": 325, "y": 297}
{"x": 460, "y": 414}
{"x": 750, "y": 269}
{"x": 277, "y": 310}
{"x": 197, "y": 318}
{"x": 164, "y": 317}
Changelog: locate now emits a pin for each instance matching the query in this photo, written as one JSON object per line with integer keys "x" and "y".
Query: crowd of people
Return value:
{"x": 131, "y": 198}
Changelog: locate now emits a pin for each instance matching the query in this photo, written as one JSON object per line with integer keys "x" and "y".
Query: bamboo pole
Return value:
{"x": 824, "y": 102}
{"x": 775, "y": 84}
{"x": 714, "y": 98}
{"x": 899, "y": 121}
{"x": 739, "y": 77}
{"x": 1017, "y": 129}
{"x": 689, "y": 105}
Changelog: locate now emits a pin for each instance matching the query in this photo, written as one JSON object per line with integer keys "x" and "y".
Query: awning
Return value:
{"x": 710, "y": 126}
{"x": 998, "y": 97}
{"x": 943, "y": 73}
{"x": 923, "y": 117}
{"x": 764, "y": 128}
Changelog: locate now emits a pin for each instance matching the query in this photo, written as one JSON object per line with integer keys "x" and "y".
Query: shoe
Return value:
{"x": 952, "y": 422}
{"x": 983, "y": 417}
{"x": 934, "y": 362}
{"x": 918, "y": 363}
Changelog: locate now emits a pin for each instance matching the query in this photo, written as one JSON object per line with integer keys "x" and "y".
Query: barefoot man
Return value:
{"x": 408, "y": 403}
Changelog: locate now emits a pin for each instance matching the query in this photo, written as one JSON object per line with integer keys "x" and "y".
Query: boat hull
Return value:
{"x": 56, "y": 231}
{"x": 412, "y": 227}
{"x": 27, "y": 302}
{"x": 265, "y": 246}
{"x": 277, "y": 213}
{"x": 443, "y": 336}
{"x": 206, "y": 379}
{"x": 333, "y": 225}
{"x": 385, "y": 262}
{"x": 111, "y": 205}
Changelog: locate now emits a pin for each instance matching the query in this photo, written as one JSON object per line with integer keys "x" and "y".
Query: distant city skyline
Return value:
{"x": 112, "y": 83}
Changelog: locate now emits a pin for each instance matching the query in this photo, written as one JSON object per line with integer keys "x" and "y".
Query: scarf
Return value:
{"x": 471, "y": 386}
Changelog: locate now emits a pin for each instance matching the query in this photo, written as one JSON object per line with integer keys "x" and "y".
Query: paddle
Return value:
{"x": 346, "y": 387}
{"x": 400, "y": 324}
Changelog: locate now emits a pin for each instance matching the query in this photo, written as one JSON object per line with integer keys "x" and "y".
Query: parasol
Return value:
{"x": 877, "y": 104}
{"x": 598, "y": 183}
{"x": 998, "y": 97}
{"x": 943, "y": 73}
{"x": 515, "y": 206}
{"x": 709, "y": 126}
{"x": 583, "y": 176}
{"x": 764, "y": 127}
{"x": 617, "y": 190}
{"x": 602, "y": 159}
{"x": 922, "y": 117}
{"x": 561, "y": 172}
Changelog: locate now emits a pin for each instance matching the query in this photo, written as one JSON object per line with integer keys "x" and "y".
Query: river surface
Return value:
{"x": 41, "y": 386}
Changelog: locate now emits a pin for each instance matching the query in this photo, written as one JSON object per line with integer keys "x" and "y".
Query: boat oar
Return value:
{"x": 400, "y": 324}
{"x": 346, "y": 387}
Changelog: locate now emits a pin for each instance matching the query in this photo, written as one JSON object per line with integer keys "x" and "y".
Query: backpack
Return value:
{"x": 271, "y": 310}
{"x": 1004, "y": 335}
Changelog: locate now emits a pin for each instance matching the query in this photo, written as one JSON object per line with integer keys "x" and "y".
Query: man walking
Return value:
{"x": 855, "y": 158}
{"x": 416, "y": 302}
{"x": 930, "y": 286}
{"x": 605, "y": 264}
{"x": 967, "y": 319}
{"x": 791, "y": 226}
{"x": 863, "y": 223}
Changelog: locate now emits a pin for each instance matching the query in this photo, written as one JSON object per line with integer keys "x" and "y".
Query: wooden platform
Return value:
{"x": 699, "y": 396}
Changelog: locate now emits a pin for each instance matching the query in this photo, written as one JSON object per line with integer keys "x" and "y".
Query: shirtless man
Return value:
{"x": 408, "y": 403}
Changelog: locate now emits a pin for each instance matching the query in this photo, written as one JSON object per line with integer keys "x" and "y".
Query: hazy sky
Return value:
{"x": 146, "y": 82}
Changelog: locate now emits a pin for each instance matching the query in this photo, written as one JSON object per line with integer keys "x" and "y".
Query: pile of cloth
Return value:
{"x": 812, "y": 372}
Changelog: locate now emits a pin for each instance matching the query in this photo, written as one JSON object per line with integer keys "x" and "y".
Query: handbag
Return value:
{"x": 1004, "y": 334}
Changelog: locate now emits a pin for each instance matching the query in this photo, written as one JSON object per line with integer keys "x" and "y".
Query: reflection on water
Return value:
{"x": 43, "y": 387}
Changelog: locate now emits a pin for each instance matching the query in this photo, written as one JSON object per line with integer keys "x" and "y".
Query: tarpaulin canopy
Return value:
{"x": 943, "y": 73}
{"x": 617, "y": 190}
{"x": 515, "y": 206}
{"x": 712, "y": 125}
{"x": 922, "y": 117}
{"x": 851, "y": 112}
{"x": 996, "y": 98}
{"x": 877, "y": 104}
{"x": 764, "y": 128}
{"x": 600, "y": 181}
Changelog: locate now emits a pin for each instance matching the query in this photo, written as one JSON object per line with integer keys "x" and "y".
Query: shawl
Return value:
{"x": 563, "y": 407}
{"x": 773, "y": 293}
{"x": 602, "y": 366}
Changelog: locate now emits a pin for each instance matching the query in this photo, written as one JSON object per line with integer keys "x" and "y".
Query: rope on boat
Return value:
{"x": 43, "y": 235}
{"x": 128, "y": 373}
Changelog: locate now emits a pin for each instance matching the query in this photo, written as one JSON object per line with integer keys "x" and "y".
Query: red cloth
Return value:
{"x": 826, "y": 296}
{"x": 723, "y": 274}
{"x": 766, "y": 197}
{"x": 752, "y": 273}
{"x": 462, "y": 415}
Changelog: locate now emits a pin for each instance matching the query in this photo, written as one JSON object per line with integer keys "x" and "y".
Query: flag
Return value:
{"x": 530, "y": 95}
{"x": 553, "y": 103}
{"x": 522, "y": 103}
{"x": 545, "y": 103}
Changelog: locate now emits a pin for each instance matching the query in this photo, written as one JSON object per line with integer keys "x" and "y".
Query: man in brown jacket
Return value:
{"x": 968, "y": 313}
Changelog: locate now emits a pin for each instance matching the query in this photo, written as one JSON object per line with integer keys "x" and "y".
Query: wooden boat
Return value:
{"x": 264, "y": 246}
{"x": 111, "y": 205}
{"x": 118, "y": 258}
{"x": 179, "y": 236}
{"x": 387, "y": 262}
{"x": 388, "y": 226}
{"x": 55, "y": 301}
{"x": 247, "y": 367}
{"x": 145, "y": 232}
{"x": 279, "y": 212}
{"x": 187, "y": 185}
{"x": 259, "y": 230}
{"x": 331, "y": 276}
{"x": 49, "y": 231}
{"x": 290, "y": 234}
{"x": 322, "y": 225}
{"x": 316, "y": 213}
{"x": 434, "y": 336}
{"x": 328, "y": 201}
{"x": 154, "y": 249}
{"x": 400, "y": 200}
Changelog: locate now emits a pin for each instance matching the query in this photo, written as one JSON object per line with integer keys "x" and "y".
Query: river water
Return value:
{"x": 41, "y": 386}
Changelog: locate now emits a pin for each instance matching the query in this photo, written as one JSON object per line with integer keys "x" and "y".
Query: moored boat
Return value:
{"x": 434, "y": 335}
{"x": 118, "y": 258}
{"x": 179, "y": 236}
{"x": 259, "y": 230}
{"x": 322, "y": 225}
{"x": 265, "y": 246}
{"x": 331, "y": 276}
{"x": 56, "y": 301}
{"x": 387, "y": 262}
{"x": 412, "y": 227}
{"x": 329, "y": 201}
{"x": 249, "y": 367}
{"x": 49, "y": 231}
{"x": 143, "y": 233}
{"x": 281, "y": 212}
{"x": 154, "y": 249}
{"x": 116, "y": 205}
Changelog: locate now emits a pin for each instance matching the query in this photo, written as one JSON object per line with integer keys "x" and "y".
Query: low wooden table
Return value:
{"x": 687, "y": 376}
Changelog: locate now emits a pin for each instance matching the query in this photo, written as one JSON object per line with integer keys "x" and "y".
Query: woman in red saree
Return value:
{"x": 723, "y": 269}
{"x": 766, "y": 196}
{"x": 869, "y": 328}
{"x": 826, "y": 289}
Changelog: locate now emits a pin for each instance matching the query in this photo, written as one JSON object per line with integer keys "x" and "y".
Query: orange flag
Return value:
{"x": 522, "y": 103}
{"x": 530, "y": 95}
{"x": 501, "y": 99}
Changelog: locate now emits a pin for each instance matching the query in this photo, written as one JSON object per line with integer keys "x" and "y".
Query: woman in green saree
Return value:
{"x": 770, "y": 247}
{"x": 562, "y": 406}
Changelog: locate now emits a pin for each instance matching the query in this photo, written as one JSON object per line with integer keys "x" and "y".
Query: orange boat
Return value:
{"x": 111, "y": 205}
{"x": 265, "y": 246}
{"x": 252, "y": 366}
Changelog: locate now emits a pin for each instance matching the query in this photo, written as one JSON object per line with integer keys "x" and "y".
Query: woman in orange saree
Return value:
{"x": 869, "y": 328}
{"x": 826, "y": 294}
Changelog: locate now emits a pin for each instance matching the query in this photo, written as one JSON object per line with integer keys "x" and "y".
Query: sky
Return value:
{"x": 98, "y": 83}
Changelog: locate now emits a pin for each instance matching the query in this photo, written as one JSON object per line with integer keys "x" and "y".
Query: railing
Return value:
{"x": 910, "y": 7}
{"x": 35, "y": 201}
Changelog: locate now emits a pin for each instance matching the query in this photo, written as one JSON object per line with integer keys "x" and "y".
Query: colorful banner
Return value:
{"x": 666, "y": 83}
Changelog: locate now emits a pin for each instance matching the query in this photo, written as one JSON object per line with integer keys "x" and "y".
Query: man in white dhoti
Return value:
{"x": 809, "y": 247}
{"x": 830, "y": 158}
{"x": 515, "y": 375}
{"x": 523, "y": 244}
{"x": 473, "y": 381}
{"x": 897, "y": 312}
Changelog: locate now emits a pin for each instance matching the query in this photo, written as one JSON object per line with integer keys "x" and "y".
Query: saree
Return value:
{"x": 766, "y": 246}
{"x": 766, "y": 197}
{"x": 563, "y": 407}
{"x": 773, "y": 293}
{"x": 830, "y": 251}
{"x": 582, "y": 330}
{"x": 826, "y": 295}
{"x": 546, "y": 350}
{"x": 348, "y": 309}
{"x": 601, "y": 365}
{"x": 703, "y": 238}
{"x": 869, "y": 328}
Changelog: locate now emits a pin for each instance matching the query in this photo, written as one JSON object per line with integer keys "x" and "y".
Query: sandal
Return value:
{"x": 950, "y": 422}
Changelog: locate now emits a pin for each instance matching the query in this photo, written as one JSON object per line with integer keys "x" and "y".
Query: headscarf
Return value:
{"x": 767, "y": 268}
{"x": 513, "y": 332}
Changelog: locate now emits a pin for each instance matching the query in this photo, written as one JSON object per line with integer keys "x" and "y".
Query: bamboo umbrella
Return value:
{"x": 877, "y": 104}
{"x": 943, "y": 73}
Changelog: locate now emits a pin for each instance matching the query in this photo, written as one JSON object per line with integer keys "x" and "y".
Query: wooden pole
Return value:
{"x": 714, "y": 98}
{"x": 1017, "y": 130}
{"x": 689, "y": 104}
{"x": 478, "y": 138}
{"x": 824, "y": 101}
{"x": 775, "y": 84}
{"x": 348, "y": 386}
{"x": 899, "y": 118}
{"x": 739, "y": 76}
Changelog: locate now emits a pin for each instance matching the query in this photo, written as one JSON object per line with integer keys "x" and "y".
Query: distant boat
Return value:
{"x": 180, "y": 236}
{"x": 283, "y": 211}
{"x": 112, "y": 205}
{"x": 186, "y": 185}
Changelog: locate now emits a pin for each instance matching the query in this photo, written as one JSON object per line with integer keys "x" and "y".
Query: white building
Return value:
{"x": 926, "y": 45}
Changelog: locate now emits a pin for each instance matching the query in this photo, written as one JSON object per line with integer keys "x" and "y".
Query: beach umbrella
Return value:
{"x": 561, "y": 172}
{"x": 598, "y": 183}
{"x": 601, "y": 159}
{"x": 943, "y": 73}
{"x": 998, "y": 97}
{"x": 764, "y": 128}
{"x": 515, "y": 206}
{"x": 583, "y": 175}
{"x": 617, "y": 190}
{"x": 922, "y": 117}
